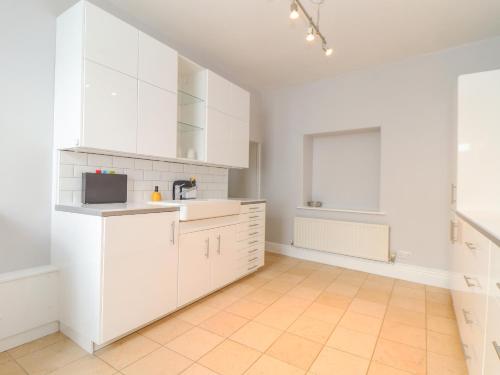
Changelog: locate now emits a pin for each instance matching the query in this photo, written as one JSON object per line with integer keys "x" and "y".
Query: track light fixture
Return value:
{"x": 313, "y": 29}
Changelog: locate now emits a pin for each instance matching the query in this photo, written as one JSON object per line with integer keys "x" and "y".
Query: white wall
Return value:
{"x": 346, "y": 170}
{"x": 414, "y": 102}
{"x": 27, "y": 40}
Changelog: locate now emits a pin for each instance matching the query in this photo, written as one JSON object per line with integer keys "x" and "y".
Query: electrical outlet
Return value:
{"x": 404, "y": 255}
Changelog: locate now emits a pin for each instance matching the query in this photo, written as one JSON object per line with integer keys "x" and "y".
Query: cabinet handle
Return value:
{"x": 253, "y": 208}
{"x": 453, "y": 193}
{"x": 253, "y": 233}
{"x": 468, "y": 282}
{"x": 173, "y": 232}
{"x": 207, "y": 251}
{"x": 470, "y": 245}
{"x": 252, "y": 251}
{"x": 466, "y": 354}
{"x": 251, "y": 260}
{"x": 497, "y": 348}
{"x": 253, "y": 225}
{"x": 254, "y": 217}
{"x": 253, "y": 267}
{"x": 453, "y": 226}
{"x": 252, "y": 242}
{"x": 466, "y": 317}
{"x": 218, "y": 244}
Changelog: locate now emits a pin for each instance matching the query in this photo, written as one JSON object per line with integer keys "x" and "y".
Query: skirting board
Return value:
{"x": 24, "y": 337}
{"x": 423, "y": 275}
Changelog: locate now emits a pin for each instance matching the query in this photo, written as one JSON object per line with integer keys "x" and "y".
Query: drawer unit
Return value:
{"x": 492, "y": 342}
{"x": 256, "y": 207}
{"x": 252, "y": 216}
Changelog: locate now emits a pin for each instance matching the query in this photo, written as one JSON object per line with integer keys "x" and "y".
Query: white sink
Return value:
{"x": 197, "y": 209}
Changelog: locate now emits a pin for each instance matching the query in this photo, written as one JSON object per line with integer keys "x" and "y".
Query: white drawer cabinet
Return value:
{"x": 475, "y": 274}
{"x": 251, "y": 238}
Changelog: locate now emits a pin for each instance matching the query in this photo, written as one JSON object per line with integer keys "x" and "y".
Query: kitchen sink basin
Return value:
{"x": 197, "y": 209}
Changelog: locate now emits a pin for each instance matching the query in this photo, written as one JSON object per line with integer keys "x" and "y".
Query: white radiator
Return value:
{"x": 362, "y": 240}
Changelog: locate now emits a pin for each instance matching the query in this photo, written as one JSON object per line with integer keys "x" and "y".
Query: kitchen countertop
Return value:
{"x": 115, "y": 209}
{"x": 249, "y": 200}
{"x": 488, "y": 223}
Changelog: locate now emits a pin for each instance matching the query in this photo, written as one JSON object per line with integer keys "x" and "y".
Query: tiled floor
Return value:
{"x": 292, "y": 317}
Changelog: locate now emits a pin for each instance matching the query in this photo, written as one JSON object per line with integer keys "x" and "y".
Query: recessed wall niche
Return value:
{"x": 342, "y": 169}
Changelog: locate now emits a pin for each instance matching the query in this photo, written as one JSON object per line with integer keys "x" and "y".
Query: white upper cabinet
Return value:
{"x": 227, "y": 140}
{"x": 110, "y": 109}
{"x": 157, "y": 63}
{"x": 110, "y": 41}
{"x": 157, "y": 127}
{"x": 228, "y": 98}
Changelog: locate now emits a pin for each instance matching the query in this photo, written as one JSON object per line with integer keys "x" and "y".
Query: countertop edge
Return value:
{"x": 252, "y": 201}
{"x": 481, "y": 229}
{"x": 118, "y": 212}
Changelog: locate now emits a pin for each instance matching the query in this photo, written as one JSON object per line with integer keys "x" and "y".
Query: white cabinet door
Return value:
{"x": 157, "y": 63}
{"x": 110, "y": 109}
{"x": 223, "y": 259}
{"x": 110, "y": 41}
{"x": 226, "y": 97}
{"x": 194, "y": 266}
{"x": 227, "y": 139}
{"x": 157, "y": 122}
{"x": 139, "y": 277}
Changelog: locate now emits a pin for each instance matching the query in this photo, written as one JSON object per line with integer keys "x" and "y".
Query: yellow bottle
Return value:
{"x": 156, "y": 195}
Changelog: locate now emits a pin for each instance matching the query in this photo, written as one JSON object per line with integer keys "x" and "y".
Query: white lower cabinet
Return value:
{"x": 475, "y": 274}
{"x": 206, "y": 259}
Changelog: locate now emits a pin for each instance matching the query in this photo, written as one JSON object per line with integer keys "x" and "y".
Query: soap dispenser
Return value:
{"x": 156, "y": 195}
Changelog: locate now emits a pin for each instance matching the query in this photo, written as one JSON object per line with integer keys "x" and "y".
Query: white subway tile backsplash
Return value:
{"x": 121, "y": 162}
{"x": 102, "y": 160}
{"x": 143, "y": 176}
{"x": 146, "y": 165}
{"x": 74, "y": 158}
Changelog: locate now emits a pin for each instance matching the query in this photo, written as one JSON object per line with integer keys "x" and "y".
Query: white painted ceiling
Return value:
{"x": 255, "y": 43}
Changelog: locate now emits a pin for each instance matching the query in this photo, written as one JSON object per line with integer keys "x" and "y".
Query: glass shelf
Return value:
{"x": 188, "y": 99}
{"x": 186, "y": 127}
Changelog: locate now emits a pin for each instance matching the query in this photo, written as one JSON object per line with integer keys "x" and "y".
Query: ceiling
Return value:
{"x": 254, "y": 43}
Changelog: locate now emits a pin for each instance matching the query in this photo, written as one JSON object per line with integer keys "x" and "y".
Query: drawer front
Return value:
{"x": 250, "y": 233}
{"x": 250, "y": 225}
{"x": 246, "y": 208}
{"x": 251, "y": 241}
{"x": 252, "y": 216}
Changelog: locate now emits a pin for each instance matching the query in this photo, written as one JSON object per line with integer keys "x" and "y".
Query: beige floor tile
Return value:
{"x": 351, "y": 280}
{"x": 160, "y": 362}
{"x": 361, "y": 306}
{"x": 403, "y": 291}
{"x": 324, "y": 313}
{"x": 442, "y": 325}
{"x": 380, "y": 369}
{"x": 347, "y": 340}
{"x": 438, "y": 297}
{"x": 86, "y": 365}
{"x": 280, "y": 317}
{"x": 361, "y": 323}
{"x": 246, "y": 308}
{"x": 409, "y": 284}
{"x": 331, "y": 361}
{"x": 196, "y": 313}
{"x": 444, "y": 365}
{"x": 263, "y": 296}
{"x": 444, "y": 344}
{"x": 404, "y": 334}
{"x": 51, "y": 358}
{"x": 35, "y": 345}
{"x": 230, "y": 358}
{"x": 256, "y": 336}
{"x": 196, "y": 369}
{"x": 165, "y": 330}
{"x": 412, "y": 304}
{"x": 440, "y": 309}
{"x": 371, "y": 295}
{"x": 11, "y": 368}
{"x": 412, "y": 318}
{"x": 127, "y": 350}
{"x": 312, "y": 329}
{"x": 267, "y": 365}
{"x": 220, "y": 300}
{"x": 195, "y": 343}
{"x": 223, "y": 323}
{"x": 290, "y": 278}
{"x": 343, "y": 288}
{"x": 334, "y": 300}
{"x": 295, "y": 350}
{"x": 304, "y": 292}
{"x": 279, "y": 286}
{"x": 313, "y": 283}
{"x": 292, "y": 302}
{"x": 238, "y": 290}
{"x": 436, "y": 289}
{"x": 400, "y": 356}
{"x": 5, "y": 357}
